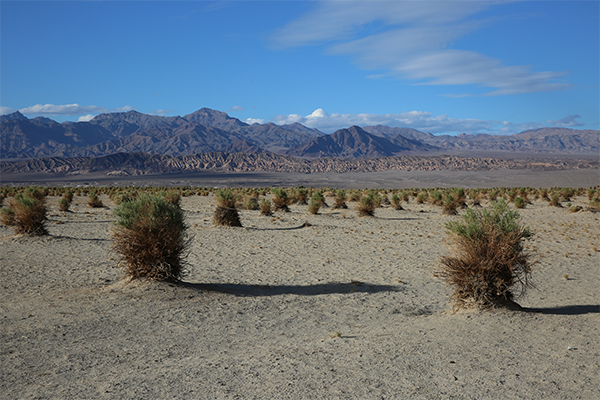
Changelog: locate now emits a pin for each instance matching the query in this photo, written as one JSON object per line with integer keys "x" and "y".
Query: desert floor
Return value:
{"x": 347, "y": 308}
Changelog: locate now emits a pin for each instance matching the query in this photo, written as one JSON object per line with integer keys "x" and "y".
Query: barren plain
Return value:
{"x": 346, "y": 308}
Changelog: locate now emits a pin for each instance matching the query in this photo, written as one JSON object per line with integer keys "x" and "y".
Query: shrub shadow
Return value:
{"x": 566, "y": 310}
{"x": 301, "y": 290}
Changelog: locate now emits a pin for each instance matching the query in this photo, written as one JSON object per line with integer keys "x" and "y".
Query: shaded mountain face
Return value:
{"x": 202, "y": 131}
{"x": 356, "y": 142}
{"x": 209, "y": 130}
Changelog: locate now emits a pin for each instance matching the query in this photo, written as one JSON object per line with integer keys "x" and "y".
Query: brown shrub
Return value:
{"x": 366, "y": 206}
{"x": 226, "y": 214}
{"x": 265, "y": 207}
{"x": 26, "y": 212}
{"x": 150, "y": 236}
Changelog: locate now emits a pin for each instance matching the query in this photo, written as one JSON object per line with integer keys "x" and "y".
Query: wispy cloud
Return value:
{"x": 236, "y": 108}
{"x": 412, "y": 40}
{"x": 569, "y": 121}
{"x": 160, "y": 112}
{"x": 6, "y": 110}
{"x": 68, "y": 109}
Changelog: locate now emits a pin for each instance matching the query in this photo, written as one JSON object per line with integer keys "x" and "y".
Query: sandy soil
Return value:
{"x": 347, "y": 308}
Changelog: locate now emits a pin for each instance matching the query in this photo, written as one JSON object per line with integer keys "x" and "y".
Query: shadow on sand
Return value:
{"x": 566, "y": 310}
{"x": 302, "y": 290}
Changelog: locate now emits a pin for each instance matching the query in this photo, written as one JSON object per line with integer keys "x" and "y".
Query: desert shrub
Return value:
{"x": 251, "y": 203}
{"x": 436, "y": 198}
{"x": 396, "y": 202}
{"x": 519, "y": 202}
{"x": 172, "y": 197}
{"x": 543, "y": 193}
{"x": 301, "y": 196}
{"x": 150, "y": 235}
{"x": 354, "y": 196}
{"x": 281, "y": 200}
{"x": 226, "y": 214}
{"x": 265, "y": 207}
{"x": 421, "y": 198}
{"x": 340, "y": 199}
{"x": 460, "y": 197}
{"x": 64, "y": 204}
{"x": 554, "y": 201}
{"x": 94, "y": 201}
{"x": 315, "y": 203}
{"x": 449, "y": 205}
{"x": 405, "y": 197}
{"x": 366, "y": 206}
{"x": 567, "y": 193}
{"x": 68, "y": 196}
{"x": 26, "y": 212}
{"x": 489, "y": 258}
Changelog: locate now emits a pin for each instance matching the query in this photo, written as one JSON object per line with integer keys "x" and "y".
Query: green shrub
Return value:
{"x": 150, "y": 237}
{"x": 489, "y": 258}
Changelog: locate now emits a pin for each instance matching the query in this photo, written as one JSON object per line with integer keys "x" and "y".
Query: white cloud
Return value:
{"x": 236, "y": 108}
{"x": 412, "y": 40}
{"x": 252, "y": 121}
{"x": 6, "y": 110}
{"x": 85, "y": 118}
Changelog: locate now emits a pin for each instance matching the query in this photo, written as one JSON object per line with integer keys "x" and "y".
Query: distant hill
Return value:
{"x": 355, "y": 142}
{"x": 136, "y": 164}
{"x": 203, "y": 131}
{"x": 544, "y": 140}
{"x": 209, "y": 130}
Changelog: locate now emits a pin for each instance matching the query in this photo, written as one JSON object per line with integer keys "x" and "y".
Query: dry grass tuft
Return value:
{"x": 281, "y": 200}
{"x": 226, "y": 214}
{"x": 26, "y": 212}
{"x": 489, "y": 258}
{"x": 150, "y": 236}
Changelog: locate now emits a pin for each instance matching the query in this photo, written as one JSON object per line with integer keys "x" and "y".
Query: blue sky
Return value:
{"x": 495, "y": 67}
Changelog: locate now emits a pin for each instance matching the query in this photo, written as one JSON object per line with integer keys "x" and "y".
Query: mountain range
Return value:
{"x": 207, "y": 130}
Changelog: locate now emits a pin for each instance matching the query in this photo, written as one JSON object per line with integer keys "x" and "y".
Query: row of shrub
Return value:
{"x": 151, "y": 239}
